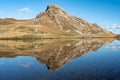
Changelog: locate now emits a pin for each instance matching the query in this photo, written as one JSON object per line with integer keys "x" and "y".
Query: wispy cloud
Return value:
{"x": 113, "y": 47}
{"x": 113, "y": 26}
{"x": 25, "y": 10}
{"x": 26, "y": 65}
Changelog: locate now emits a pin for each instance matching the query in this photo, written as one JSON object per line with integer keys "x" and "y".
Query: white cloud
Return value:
{"x": 26, "y": 65}
{"x": 25, "y": 10}
{"x": 113, "y": 26}
{"x": 113, "y": 47}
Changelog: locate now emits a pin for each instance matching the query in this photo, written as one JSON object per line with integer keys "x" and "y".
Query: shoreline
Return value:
{"x": 16, "y": 38}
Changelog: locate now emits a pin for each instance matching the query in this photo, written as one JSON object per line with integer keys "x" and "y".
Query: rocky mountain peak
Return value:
{"x": 52, "y": 6}
{"x": 56, "y": 17}
{"x": 52, "y": 10}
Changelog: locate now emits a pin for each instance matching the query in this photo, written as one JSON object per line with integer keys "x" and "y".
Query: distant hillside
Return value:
{"x": 7, "y": 21}
{"x": 118, "y": 37}
{"x": 53, "y": 23}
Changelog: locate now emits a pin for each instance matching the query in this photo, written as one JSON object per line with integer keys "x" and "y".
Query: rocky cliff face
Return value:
{"x": 56, "y": 17}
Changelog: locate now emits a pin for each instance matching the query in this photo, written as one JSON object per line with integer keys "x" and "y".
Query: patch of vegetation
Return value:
{"x": 21, "y": 27}
{"x": 30, "y": 36}
{"x": 3, "y": 46}
{"x": 3, "y": 31}
{"x": 4, "y": 22}
{"x": 24, "y": 29}
{"x": 93, "y": 31}
{"x": 71, "y": 33}
{"x": 12, "y": 38}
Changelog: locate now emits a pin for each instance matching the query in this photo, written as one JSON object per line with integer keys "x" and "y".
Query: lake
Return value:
{"x": 54, "y": 59}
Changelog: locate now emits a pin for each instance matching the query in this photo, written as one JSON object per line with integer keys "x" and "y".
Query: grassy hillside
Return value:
{"x": 53, "y": 23}
{"x": 26, "y": 31}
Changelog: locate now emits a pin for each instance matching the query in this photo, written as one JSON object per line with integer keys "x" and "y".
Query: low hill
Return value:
{"x": 7, "y": 21}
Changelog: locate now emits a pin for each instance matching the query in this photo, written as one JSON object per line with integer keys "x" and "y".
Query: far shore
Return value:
{"x": 32, "y": 38}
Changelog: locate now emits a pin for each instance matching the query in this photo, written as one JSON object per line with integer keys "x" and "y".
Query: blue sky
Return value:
{"x": 105, "y": 13}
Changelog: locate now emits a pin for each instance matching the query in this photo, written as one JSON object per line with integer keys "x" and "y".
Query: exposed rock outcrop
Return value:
{"x": 56, "y": 17}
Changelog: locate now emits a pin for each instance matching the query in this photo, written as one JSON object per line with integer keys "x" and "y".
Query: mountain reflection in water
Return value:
{"x": 53, "y": 53}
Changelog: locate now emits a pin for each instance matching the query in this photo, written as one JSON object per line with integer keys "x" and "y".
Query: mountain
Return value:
{"x": 56, "y": 17}
{"x": 53, "y": 23}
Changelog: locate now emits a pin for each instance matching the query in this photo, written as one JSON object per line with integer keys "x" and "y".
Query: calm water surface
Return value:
{"x": 85, "y": 59}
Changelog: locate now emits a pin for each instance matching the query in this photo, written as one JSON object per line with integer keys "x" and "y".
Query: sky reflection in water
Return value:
{"x": 90, "y": 59}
